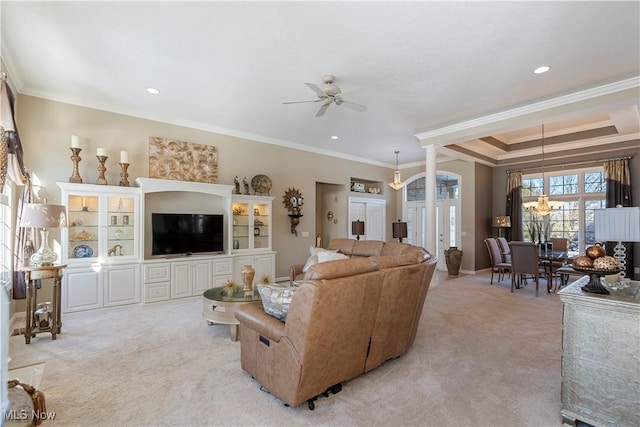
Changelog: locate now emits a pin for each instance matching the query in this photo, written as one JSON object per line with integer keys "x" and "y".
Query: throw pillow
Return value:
{"x": 313, "y": 259}
{"x": 276, "y": 300}
{"x": 330, "y": 256}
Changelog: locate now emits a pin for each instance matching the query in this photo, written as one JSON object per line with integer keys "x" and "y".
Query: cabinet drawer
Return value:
{"x": 154, "y": 273}
{"x": 156, "y": 292}
{"x": 222, "y": 266}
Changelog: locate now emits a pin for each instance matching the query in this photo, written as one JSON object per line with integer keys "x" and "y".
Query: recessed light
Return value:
{"x": 153, "y": 90}
{"x": 334, "y": 137}
{"x": 541, "y": 70}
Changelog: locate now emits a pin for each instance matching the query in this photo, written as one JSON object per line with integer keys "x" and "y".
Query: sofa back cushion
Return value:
{"x": 365, "y": 248}
{"x": 344, "y": 246}
{"x": 340, "y": 268}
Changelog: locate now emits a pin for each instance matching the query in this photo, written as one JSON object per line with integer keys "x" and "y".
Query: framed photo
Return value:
{"x": 256, "y": 231}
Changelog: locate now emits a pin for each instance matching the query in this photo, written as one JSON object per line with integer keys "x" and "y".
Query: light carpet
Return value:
{"x": 482, "y": 357}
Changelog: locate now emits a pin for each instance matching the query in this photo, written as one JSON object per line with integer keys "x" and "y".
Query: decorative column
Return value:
{"x": 430, "y": 199}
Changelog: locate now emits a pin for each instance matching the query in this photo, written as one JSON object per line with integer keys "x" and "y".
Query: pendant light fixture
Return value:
{"x": 543, "y": 206}
{"x": 397, "y": 183}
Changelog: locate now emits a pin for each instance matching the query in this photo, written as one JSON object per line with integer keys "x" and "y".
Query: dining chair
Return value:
{"x": 504, "y": 248}
{"x": 525, "y": 264}
{"x": 559, "y": 244}
{"x": 495, "y": 255}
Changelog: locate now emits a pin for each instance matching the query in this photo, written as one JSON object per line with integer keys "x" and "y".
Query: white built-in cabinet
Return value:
{"x": 371, "y": 210}
{"x": 100, "y": 246}
{"x": 106, "y": 245}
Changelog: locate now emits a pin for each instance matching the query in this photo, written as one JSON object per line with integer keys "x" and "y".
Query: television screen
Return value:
{"x": 177, "y": 233}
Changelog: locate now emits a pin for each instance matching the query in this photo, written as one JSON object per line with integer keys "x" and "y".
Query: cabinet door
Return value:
{"x": 121, "y": 284}
{"x": 121, "y": 239}
{"x": 242, "y": 231}
{"x": 82, "y": 237}
{"x": 264, "y": 266}
{"x": 375, "y": 221}
{"x": 201, "y": 277}
{"x": 261, "y": 225}
{"x": 81, "y": 289}
{"x": 181, "y": 280}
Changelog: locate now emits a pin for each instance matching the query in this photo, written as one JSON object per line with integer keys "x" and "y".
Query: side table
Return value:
{"x": 31, "y": 274}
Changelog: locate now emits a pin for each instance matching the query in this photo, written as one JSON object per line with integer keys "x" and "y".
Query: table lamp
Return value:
{"x": 399, "y": 230}
{"x": 618, "y": 225}
{"x": 357, "y": 228}
{"x": 44, "y": 216}
{"x": 501, "y": 222}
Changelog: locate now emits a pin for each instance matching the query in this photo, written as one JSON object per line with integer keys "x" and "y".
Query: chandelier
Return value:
{"x": 397, "y": 182}
{"x": 543, "y": 206}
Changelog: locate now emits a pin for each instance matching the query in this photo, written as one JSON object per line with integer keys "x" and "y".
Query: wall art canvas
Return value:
{"x": 182, "y": 161}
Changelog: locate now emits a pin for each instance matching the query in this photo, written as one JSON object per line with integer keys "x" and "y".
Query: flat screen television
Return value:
{"x": 185, "y": 234}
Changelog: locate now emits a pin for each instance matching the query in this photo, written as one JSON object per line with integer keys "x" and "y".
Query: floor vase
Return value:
{"x": 453, "y": 257}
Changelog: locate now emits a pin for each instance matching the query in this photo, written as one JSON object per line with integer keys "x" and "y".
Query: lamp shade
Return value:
{"x": 502, "y": 221}
{"x": 43, "y": 216}
{"x": 617, "y": 224}
{"x": 357, "y": 228}
{"x": 399, "y": 230}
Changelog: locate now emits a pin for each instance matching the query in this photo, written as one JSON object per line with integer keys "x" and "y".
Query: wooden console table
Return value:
{"x": 601, "y": 356}
{"x": 31, "y": 274}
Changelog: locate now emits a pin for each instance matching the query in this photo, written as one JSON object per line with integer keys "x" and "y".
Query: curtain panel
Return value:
{"x": 514, "y": 205}
{"x": 617, "y": 175}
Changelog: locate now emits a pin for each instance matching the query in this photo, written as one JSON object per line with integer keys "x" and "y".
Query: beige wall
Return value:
{"x": 46, "y": 128}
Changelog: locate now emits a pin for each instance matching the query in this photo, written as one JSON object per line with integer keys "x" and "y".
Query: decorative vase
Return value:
{"x": 247, "y": 274}
{"x": 453, "y": 257}
{"x": 236, "y": 244}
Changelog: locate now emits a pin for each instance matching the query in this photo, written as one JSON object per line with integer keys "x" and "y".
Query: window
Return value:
{"x": 582, "y": 191}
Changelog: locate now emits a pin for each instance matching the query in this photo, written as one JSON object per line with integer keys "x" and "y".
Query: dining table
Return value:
{"x": 552, "y": 261}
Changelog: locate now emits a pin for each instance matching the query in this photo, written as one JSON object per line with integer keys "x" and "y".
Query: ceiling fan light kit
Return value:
{"x": 330, "y": 93}
{"x": 397, "y": 183}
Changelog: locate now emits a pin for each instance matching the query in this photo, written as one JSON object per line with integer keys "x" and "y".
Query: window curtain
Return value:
{"x": 12, "y": 166}
{"x": 514, "y": 205}
{"x": 618, "y": 178}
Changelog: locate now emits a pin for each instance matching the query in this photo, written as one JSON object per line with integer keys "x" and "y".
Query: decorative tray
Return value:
{"x": 596, "y": 270}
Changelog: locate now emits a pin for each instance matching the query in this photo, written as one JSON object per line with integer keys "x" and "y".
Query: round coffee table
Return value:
{"x": 219, "y": 308}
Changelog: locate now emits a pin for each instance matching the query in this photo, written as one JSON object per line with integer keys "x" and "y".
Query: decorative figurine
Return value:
{"x": 246, "y": 185}
{"x": 237, "y": 185}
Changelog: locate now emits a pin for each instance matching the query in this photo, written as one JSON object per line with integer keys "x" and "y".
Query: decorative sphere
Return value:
{"x": 605, "y": 263}
{"x": 583, "y": 261}
{"x": 595, "y": 251}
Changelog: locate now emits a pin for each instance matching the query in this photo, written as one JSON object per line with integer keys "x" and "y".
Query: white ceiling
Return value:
{"x": 429, "y": 72}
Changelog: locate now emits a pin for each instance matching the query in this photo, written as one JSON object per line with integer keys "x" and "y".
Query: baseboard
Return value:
{"x": 17, "y": 323}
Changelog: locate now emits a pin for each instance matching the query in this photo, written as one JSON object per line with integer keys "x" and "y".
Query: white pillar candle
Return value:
{"x": 75, "y": 141}
{"x": 124, "y": 157}
{"x": 101, "y": 152}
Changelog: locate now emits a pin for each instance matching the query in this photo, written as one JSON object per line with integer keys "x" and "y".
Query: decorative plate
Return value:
{"x": 82, "y": 251}
{"x": 261, "y": 184}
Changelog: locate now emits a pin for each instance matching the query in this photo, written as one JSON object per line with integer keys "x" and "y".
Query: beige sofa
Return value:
{"x": 347, "y": 317}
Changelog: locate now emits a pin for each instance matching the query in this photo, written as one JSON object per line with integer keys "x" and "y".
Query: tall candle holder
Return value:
{"x": 124, "y": 175}
{"x": 101, "y": 170}
{"x": 75, "y": 158}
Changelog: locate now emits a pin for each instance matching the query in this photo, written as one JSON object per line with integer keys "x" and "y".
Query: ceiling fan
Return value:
{"x": 329, "y": 93}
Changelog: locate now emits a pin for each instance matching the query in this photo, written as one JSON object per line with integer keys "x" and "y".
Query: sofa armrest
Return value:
{"x": 252, "y": 316}
{"x": 294, "y": 270}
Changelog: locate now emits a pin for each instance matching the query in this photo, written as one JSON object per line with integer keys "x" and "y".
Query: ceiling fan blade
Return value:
{"x": 352, "y": 105}
{"x": 317, "y": 90}
{"x": 322, "y": 109}
{"x": 300, "y": 102}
